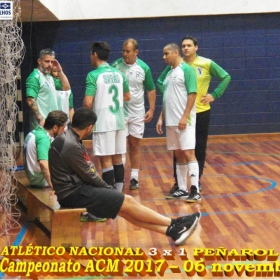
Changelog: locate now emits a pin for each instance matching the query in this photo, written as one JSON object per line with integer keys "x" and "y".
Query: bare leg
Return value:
{"x": 153, "y": 227}
{"x": 138, "y": 213}
{"x": 134, "y": 152}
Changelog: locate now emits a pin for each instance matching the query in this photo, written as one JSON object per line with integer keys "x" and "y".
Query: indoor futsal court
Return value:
{"x": 239, "y": 206}
{"x": 237, "y": 236}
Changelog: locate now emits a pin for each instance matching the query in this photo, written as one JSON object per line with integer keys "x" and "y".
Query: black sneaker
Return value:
{"x": 199, "y": 186}
{"x": 90, "y": 218}
{"x": 174, "y": 189}
{"x": 134, "y": 185}
{"x": 181, "y": 231}
{"x": 194, "y": 195}
{"x": 178, "y": 194}
{"x": 184, "y": 219}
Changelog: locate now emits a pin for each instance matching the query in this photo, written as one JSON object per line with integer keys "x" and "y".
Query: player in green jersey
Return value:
{"x": 41, "y": 88}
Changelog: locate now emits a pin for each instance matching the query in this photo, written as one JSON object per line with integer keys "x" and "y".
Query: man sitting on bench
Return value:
{"x": 77, "y": 184}
{"x": 36, "y": 148}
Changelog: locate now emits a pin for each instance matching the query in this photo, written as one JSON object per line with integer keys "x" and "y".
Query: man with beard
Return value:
{"x": 41, "y": 88}
{"x": 36, "y": 148}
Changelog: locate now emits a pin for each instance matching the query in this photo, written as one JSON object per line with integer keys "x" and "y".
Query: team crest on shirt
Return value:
{"x": 139, "y": 75}
{"x": 199, "y": 71}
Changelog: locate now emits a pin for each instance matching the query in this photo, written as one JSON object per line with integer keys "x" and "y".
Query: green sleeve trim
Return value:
{"x": 190, "y": 79}
{"x": 57, "y": 84}
{"x": 161, "y": 79}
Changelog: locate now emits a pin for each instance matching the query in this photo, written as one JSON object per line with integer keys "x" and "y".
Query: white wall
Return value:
{"x": 109, "y": 9}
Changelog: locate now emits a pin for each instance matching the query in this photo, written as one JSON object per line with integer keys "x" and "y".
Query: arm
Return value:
{"x": 64, "y": 80}
{"x": 152, "y": 101}
{"x": 75, "y": 159}
{"x": 190, "y": 103}
{"x": 149, "y": 85}
{"x": 159, "y": 123}
{"x": 126, "y": 96}
{"x": 191, "y": 87}
{"x": 223, "y": 76}
{"x": 88, "y": 100}
{"x": 44, "y": 165}
{"x": 71, "y": 113}
{"x": 126, "y": 93}
{"x": 31, "y": 102}
{"x": 32, "y": 91}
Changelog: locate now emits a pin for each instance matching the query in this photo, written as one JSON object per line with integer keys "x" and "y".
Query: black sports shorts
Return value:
{"x": 101, "y": 202}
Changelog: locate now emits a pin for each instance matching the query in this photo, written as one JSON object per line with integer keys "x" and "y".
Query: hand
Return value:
{"x": 207, "y": 98}
{"x": 56, "y": 66}
{"x": 182, "y": 123}
{"x": 148, "y": 116}
{"x": 159, "y": 127}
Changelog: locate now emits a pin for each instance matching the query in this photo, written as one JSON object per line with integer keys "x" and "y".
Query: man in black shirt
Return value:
{"x": 77, "y": 184}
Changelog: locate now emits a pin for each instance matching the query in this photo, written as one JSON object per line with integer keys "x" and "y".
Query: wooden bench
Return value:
{"x": 63, "y": 224}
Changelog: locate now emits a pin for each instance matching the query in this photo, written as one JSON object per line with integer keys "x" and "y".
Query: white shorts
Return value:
{"x": 135, "y": 126}
{"x": 180, "y": 139}
{"x": 109, "y": 143}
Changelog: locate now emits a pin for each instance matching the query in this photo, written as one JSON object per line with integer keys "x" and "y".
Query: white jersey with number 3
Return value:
{"x": 107, "y": 85}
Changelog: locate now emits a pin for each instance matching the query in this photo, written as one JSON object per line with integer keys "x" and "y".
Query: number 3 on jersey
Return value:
{"x": 115, "y": 98}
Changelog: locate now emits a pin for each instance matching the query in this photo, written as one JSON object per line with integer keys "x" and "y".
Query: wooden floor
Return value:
{"x": 240, "y": 204}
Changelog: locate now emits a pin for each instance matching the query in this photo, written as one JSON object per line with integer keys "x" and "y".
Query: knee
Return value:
{"x": 134, "y": 143}
{"x": 129, "y": 201}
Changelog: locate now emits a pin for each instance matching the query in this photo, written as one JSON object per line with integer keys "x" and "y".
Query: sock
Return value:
{"x": 182, "y": 170}
{"x": 134, "y": 174}
{"x": 193, "y": 173}
{"x": 119, "y": 176}
{"x": 108, "y": 176}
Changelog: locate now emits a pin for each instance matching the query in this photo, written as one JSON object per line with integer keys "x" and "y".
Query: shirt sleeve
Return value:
{"x": 32, "y": 86}
{"x": 57, "y": 84}
{"x": 42, "y": 147}
{"x": 218, "y": 72}
{"x": 71, "y": 99}
{"x": 190, "y": 80}
{"x": 149, "y": 82}
{"x": 125, "y": 84}
{"x": 91, "y": 86}
{"x": 161, "y": 79}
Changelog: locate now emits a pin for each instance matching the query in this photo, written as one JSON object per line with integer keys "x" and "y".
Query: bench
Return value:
{"x": 62, "y": 224}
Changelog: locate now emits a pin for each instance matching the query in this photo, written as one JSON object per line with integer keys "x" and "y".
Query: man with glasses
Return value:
{"x": 41, "y": 88}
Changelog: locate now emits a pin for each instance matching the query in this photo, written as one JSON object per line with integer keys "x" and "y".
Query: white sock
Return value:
{"x": 182, "y": 171}
{"x": 134, "y": 174}
{"x": 193, "y": 173}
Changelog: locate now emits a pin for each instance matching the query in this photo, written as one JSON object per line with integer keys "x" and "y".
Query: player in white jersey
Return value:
{"x": 179, "y": 86}
{"x": 41, "y": 88}
{"x": 36, "y": 148}
{"x": 106, "y": 91}
{"x": 140, "y": 79}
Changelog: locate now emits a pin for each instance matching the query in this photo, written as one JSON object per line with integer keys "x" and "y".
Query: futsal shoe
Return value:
{"x": 180, "y": 232}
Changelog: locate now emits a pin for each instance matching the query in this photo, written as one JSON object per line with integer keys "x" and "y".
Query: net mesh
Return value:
{"x": 11, "y": 55}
